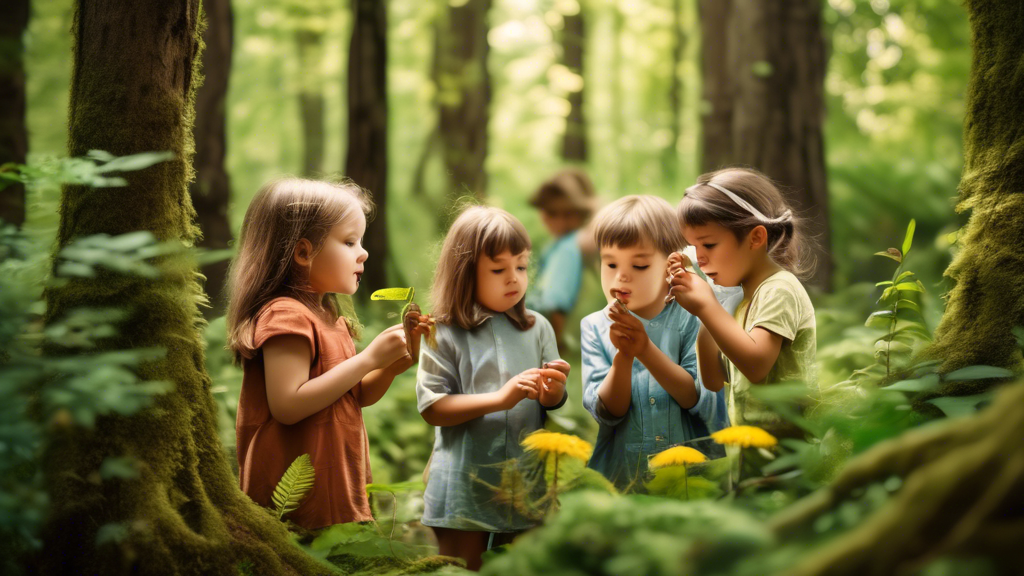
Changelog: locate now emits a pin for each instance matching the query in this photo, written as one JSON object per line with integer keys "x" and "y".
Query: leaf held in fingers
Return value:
{"x": 392, "y": 294}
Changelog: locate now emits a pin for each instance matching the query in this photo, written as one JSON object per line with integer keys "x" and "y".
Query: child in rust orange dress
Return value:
{"x": 304, "y": 386}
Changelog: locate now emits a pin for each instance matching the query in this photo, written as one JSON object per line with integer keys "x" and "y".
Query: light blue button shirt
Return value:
{"x": 559, "y": 276}
{"x": 655, "y": 421}
{"x": 475, "y": 362}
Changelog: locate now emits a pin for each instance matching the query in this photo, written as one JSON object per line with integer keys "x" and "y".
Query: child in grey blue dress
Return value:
{"x": 640, "y": 378}
{"x": 487, "y": 383}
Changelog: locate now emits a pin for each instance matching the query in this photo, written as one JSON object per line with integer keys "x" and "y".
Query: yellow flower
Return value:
{"x": 745, "y": 436}
{"x": 677, "y": 456}
{"x": 546, "y": 443}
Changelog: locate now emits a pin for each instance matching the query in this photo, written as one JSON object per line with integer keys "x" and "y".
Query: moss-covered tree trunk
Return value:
{"x": 133, "y": 84}
{"x": 962, "y": 479}
{"x": 574, "y": 143}
{"x": 466, "y": 97}
{"x": 367, "y": 159}
{"x": 772, "y": 105}
{"x": 987, "y": 301}
{"x": 13, "y": 135}
{"x": 211, "y": 190}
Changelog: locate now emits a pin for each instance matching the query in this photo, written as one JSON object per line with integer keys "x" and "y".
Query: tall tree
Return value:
{"x": 670, "y": 162}
{"x": 13, "y": 134}
{"x": 367, "y": 158}
{"x": 574, "y": 143}
{"x": 466, "y": 96}
{"x": 764, "y": 64}
{"x": 133, "y": 83}
{"x": 211, "y": 190}
{"x": 962, "y": 479}
{"x": 311, "y": 99}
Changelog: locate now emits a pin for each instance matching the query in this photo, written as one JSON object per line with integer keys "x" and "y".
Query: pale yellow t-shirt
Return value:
{"x": 780, "y": 305}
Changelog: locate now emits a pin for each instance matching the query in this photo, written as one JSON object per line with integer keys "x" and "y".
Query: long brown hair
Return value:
{"x": 282, "y": 213}
{"x": 703, "y": 204}
{"x": 478, "y": 230}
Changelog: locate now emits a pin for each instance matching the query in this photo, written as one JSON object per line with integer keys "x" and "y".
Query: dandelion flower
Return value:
{"x": 745, "y": 436}
{"x": 677, "y": 456}
{"x": 546, "y": 443}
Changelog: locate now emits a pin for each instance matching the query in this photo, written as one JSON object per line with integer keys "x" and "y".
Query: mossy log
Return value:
{"x": 133, "y": 89}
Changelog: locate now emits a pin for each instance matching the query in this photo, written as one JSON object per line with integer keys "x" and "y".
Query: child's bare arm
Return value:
{"x": 711, "y": 374}
{"x": 753, "y": 353}
{"x": 291, "y": 394}
{"x": 671, "y": 376}
{"x": 455, "y": 409}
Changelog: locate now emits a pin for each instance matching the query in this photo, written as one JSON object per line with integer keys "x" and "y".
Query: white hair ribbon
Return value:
{"x": 750, "y": 207}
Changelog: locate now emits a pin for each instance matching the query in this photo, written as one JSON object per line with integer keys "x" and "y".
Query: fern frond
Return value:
{"x": 294, "y": 485}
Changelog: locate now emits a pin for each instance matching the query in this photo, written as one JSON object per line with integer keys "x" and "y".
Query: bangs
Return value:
{"x": 635, "y": 220}
{"x": 697, "y": 209}
{"x": 503, "y": 233}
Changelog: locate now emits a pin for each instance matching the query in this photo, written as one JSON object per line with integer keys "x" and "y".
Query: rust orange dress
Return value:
{"x": 334, "y": 437}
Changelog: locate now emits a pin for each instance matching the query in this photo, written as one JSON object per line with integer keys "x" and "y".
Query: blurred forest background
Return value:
{"x": 858, "y": 107}
{"x": 893, "y": 90}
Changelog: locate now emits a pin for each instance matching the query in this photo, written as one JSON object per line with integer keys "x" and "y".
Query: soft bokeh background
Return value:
{"x": 894, "y": 93}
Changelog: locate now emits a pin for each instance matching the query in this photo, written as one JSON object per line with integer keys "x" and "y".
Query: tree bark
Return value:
{"x": 962, "y": 478}
{"x": 211, "y": 189}
{"x": 133, "y": 84}
{"x": 574, "y": 143}
{"x": 670, "y": 161}
{"x": 13, "y": 134}
{"x": 466, "y": 97}
{"x": 987, "y": 301}
{"x": 769, "y": 114}
{"x": 311, "y": 101}
{"x": 367, "y": 159}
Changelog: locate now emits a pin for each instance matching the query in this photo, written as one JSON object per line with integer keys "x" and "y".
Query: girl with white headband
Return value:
{"x": 746, "y": 235}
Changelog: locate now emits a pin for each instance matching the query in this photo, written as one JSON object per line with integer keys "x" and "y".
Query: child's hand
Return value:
{"x": 519, "y": 387}
{"x": 552, "y": 379}
{"x": 627, "y": 333}
{"x": 688, "y": 289}
{"x": 388, "y": 347}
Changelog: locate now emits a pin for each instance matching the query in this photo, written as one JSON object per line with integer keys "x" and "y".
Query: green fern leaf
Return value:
{"x": 294, "y": 485}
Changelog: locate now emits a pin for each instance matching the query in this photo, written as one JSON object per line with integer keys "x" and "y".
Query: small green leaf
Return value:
{"x": 910, "y": 287}
{"x": 392, "y": 294}
{"x": 879, "y": 319}
{"x": 891, "y": 253}
{"x": 954, "y": 406}
{"x": 294, "y": 485}
{"x": 397, "y": 487}
{"x": 909, "y": 304}
{"x": 909, "y": 239}
{"x": 884, "y": 283}
{"x": 905, "y": 275}
{"x": 923, "y": 384}
{"x": 762, "y": 69}
{"x": 978, "y": 373}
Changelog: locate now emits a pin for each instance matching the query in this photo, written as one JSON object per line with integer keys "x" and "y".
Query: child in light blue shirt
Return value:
{"x": 640, "y": 378}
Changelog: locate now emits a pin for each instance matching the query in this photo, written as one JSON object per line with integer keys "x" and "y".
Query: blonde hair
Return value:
{"x": 705, "y": 204}
{"x": 479, "y": 230}
{"x": 634, "y": 220}
{"x": 281, "y": 214}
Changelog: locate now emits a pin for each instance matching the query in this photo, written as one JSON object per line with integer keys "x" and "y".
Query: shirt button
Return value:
{"x": 654, "y": 324}
{"x": 652, "y": 400}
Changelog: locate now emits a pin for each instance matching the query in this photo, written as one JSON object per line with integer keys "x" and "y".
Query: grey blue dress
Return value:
{"x": 655, "y": 421}
{"x": 475, "y": 362}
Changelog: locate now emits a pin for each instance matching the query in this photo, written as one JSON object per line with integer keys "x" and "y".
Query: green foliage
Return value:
{"x": 598, "y": 533}
{"x": 294, "y": 485}
{"x": 97, "y": 169}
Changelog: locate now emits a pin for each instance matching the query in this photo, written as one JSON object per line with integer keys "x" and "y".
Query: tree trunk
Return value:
{"x": 574, "y": 143}
{"x": 466, "y": 87}
{"x": 769, "y": 115}
{"x": 133, "y": 83}
{"x": 311, "y": 101}
{"x": 987, "y": 301}
{"x": 962, "y": 478}
{"x": 367, "y": 159}
{"x": 211, "y": 189}
{"x": 670, "y": 161}
{"x": 13, "y": 134}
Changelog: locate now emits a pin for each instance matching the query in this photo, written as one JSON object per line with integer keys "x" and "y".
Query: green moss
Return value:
{"x": 133, "y": 91}
{"x": 988, "y": 298}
